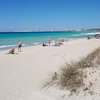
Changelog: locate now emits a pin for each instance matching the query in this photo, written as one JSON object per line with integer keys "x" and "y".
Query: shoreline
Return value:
{"x": 26, "y": 72}
{"x": 36, "y": 39}
{"x": 34, "y": 44}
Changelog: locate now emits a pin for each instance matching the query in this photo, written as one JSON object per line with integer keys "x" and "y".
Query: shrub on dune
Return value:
{"x": 71, "y": 76}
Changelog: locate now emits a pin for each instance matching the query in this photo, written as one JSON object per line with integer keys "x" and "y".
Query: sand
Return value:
{"x": 22, "y": 76}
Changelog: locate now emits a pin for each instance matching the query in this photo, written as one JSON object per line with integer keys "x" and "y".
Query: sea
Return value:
{"x": 10, "y": 39}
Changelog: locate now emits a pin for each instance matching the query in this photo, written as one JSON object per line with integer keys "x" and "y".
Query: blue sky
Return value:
{"x": 49, "y": 14}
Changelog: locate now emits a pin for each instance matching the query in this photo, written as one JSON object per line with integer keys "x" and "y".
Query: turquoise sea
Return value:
{"x": 10, "y": 39}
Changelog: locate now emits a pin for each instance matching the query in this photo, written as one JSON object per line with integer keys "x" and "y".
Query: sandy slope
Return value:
{"x": 22, "y": 75}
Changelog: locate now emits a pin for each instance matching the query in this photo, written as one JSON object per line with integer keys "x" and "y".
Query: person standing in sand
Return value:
{"x": 19, "y": 46}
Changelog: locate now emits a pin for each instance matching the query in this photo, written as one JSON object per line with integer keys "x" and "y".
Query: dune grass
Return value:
{"x": 71, "y": 76}
{"x": 51, "y": 81}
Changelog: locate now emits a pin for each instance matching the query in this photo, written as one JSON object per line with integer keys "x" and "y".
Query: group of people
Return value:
{"x": 12, "y": 51}
{"x": 60, "y": 42}
{"x": 97, "y": 36}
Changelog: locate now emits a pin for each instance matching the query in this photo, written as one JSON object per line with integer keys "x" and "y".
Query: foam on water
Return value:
{"x": 9, "y": 40}
{"x": 7, "y": 46}
{"x": 86, "y": 34}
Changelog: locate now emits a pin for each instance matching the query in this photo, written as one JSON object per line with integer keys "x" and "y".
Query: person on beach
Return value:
{"x": 19, "y": 46}
{"x": 44, "y": 44}
{"x": 88, "y": 37}
{"x": 12, "y": 51}
{"x": 56, "y": 44}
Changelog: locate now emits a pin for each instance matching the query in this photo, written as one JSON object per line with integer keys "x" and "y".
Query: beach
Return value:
{"x": 23, "y": 75}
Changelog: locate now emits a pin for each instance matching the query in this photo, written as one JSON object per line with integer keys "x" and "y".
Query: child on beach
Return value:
{"x": 12, "y": 51}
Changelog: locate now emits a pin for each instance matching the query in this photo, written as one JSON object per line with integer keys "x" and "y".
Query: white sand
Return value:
{"x": 22, "y": 75}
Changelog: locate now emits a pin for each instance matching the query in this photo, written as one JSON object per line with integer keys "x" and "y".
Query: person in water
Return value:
{"x": 19, "y": 46}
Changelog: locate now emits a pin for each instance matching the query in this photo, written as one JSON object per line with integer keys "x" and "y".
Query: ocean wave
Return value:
{"x": 7, "y": 46}
{"x": 14, "y": 46}
{"x": 86, "y": 34}
{"x": 36, "y": 43}
{"x": 93, "y": 33}
{"x": 52, "y": 41}
{"x": 24, "y": 44}
{"x": 65, "y": 38}
{"x": 82, "y": 34}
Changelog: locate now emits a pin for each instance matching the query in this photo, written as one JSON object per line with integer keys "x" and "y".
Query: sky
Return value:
{"x": 19, "y": 15}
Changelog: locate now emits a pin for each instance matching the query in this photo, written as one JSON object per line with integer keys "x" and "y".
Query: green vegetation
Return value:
{"x": 71, "y": 76}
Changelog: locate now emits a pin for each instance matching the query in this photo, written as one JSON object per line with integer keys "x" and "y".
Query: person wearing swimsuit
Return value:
{"x": 19, "y": 46}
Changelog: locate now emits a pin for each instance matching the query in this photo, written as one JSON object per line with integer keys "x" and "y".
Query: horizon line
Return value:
{"x": 63, "y": 30}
